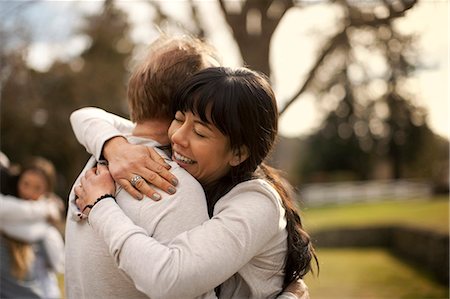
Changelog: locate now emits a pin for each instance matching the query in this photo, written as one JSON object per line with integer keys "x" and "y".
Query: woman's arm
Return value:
{"x": 26, "y": 232}
{"x": 94, "y": 126}
{"x": 295, "y": 290}
{"x": 13, "y": 210}
{"x": 102, "y": 134}
{"x": 25, "y": 220}
{"x": 195, "y": 261}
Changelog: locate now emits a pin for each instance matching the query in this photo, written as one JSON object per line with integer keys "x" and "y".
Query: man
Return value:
{"x": 170, "y": 61}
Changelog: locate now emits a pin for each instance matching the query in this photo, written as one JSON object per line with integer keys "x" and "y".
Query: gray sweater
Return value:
{"x": 91, "y": 272}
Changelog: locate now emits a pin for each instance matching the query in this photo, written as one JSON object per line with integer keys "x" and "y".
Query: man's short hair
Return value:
{"x": 169, "y": 62}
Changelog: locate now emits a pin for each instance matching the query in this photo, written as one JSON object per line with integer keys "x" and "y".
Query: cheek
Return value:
{"x": 21, "y": 189}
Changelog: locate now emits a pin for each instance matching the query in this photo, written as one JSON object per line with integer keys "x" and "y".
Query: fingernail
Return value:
{"x": 175, "y": 182}
{"x": 139, "y": 197}
{"x": 168, "y": 166}
{"x": 172, "y": 190}
{"x": 156, "y": 196}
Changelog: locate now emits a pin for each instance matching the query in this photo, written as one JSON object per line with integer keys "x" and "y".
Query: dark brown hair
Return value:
{"x": 242, "y": 105}
{"x": 169, "y": 62}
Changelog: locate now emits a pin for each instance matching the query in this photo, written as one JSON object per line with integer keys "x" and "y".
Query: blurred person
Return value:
{"x": 32, "y": 249}
{"x": 214, "y": 139}
{"x": 26, "y": 221}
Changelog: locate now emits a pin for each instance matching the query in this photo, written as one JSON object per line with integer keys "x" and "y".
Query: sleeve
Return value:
{"x": 25, "y": 220}
{"x": 93, "y": 127}
{"x": 54, "y": 249}
{"x": 29, "y": 232}
{"x": 195, "y": 261}
{"x": 16, "y": 210}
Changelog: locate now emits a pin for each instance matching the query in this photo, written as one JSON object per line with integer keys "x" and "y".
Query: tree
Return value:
{"x": 253, "y": 26}
{"x": 35, "y": 106}
{"x": 367, "y": 124}
{"x": 375, "y": 118}
{"x": 104, "y": 64}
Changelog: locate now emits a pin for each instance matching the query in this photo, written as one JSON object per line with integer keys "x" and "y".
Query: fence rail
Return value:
{"x": 362, "y": 191}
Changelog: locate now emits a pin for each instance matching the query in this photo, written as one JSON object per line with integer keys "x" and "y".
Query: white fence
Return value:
{"x": 362, "y": 191}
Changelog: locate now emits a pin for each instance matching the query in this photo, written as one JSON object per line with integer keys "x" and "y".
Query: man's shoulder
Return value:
{"x": 185, "y": 179}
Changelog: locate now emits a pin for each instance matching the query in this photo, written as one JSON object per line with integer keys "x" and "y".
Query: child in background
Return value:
{"x": 40, "y": 261}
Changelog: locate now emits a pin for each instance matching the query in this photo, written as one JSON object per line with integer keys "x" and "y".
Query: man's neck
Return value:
{"x": 153, "y": 129}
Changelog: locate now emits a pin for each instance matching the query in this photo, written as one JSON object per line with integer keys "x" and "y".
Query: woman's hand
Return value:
{"x": 298, "y": 288}
{"x": 135, "y": 166}
{"x": 96, "y": 182}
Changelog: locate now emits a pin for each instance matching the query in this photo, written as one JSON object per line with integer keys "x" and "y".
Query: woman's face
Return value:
{"x": 31, "y": 185}
{"x": 200, "y": 148}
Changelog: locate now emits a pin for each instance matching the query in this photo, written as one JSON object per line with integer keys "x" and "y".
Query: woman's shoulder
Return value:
{"x": 256, "y": 191}
{"x": 255, "y": 185}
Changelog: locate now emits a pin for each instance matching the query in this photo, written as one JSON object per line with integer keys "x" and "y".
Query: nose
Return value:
{"x": 179, "y": 136}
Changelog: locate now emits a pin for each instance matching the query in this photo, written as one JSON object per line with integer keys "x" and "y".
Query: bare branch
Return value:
{"x": 162, "y": 16}
{"x": 353, "y": 22}
{"x": 332, "y": 43}
{"x": 393, "y": 14}
{"x": 195, "y": 15}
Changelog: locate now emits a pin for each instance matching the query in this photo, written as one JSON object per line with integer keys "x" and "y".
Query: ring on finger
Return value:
{"x": 135, "y": 179}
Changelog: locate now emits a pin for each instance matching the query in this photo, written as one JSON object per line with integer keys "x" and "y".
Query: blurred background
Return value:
{"x": 363, "y": 95}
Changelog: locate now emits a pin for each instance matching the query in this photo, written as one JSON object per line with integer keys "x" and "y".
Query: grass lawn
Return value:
{"x": 374, "y": 273}
{"x": 427, "y": 213}
{"x": 369, "y": 274}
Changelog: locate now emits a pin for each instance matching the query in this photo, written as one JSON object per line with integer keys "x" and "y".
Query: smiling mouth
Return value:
{"x": 182, "y": 159}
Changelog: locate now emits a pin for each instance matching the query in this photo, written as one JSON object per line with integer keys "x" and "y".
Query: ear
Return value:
{"x": 239, "y": 156}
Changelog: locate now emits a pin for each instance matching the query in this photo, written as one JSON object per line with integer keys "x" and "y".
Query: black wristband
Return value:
{"x": 103, "y": 197}
{"x": 99, "y": 199}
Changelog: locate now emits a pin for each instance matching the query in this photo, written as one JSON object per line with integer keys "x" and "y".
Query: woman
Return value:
{"x": 26, "y": 263}
{"x": 225, "y": 125}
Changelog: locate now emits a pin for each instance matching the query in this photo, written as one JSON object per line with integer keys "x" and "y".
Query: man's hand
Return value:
{"x": 135, "y": 166}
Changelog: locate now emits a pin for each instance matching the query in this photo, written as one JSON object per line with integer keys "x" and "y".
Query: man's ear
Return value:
{"x": 239, "y": 156}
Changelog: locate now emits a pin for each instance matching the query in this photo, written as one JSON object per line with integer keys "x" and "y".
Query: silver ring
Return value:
{"x": 135, "y": 179}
